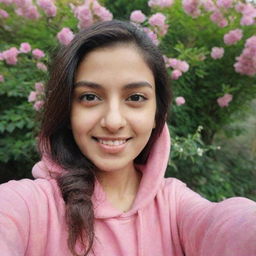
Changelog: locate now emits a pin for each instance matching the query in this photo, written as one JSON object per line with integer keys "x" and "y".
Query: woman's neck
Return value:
{"x": 120, "y": 186}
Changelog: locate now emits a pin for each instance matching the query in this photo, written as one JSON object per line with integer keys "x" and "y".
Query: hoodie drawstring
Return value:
{"x": 140, "y": 234}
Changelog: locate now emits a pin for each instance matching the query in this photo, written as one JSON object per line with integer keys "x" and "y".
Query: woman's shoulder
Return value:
{"x": 30, "y": 191}
{"x": 173, "y": 186}
{"x": 29, "y": 184}
{"x": 178, "y": 189}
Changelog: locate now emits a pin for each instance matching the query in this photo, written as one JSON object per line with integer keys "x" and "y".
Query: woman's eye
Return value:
{"x": 89, "y": 97}
{"x": 137, "y": 97}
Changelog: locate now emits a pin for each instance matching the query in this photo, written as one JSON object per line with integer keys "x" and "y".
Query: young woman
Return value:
{"x": 100, "y": 187}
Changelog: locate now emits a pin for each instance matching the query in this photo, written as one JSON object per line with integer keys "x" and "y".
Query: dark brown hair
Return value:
{"x": 56, "y": 138}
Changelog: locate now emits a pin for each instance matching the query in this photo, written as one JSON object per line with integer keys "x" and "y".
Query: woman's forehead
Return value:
{"x": 118, "y": 64}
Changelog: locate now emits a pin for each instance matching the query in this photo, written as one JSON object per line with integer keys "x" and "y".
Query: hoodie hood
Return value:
{"x": 152, "y": 177}
{"x": 46, "y": 169}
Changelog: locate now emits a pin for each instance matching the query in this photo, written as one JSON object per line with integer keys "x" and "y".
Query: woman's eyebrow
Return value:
{"x": 136, "y": 85}
{"x": 88, "y": 84}
{"x": 133, "y": 85}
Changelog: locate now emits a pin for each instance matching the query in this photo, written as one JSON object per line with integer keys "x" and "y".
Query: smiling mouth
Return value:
{"x": 111, "y": 141}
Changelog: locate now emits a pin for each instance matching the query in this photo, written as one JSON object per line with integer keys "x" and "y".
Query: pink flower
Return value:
{"x": 32, "y": 96}
{"x": 38, "y": 54}
{"x": 38, "y": 105}
{"x": 172, "y": 63}
{"x": 246, "y": 20}
{"x": 246, "y": 62}
{"x": 44, "y": 4}
{"x": 218, "y": 18}
{"x": 103, "y": 13}
{"x": 180, "y": 101}
{"x": 4, "y": 14}
{"x": 251, "y": 43}
{"x": 233, "y": 36}
{"x": 51, "y": 12}
{"x": 25, "y": 47}
{"x": 30, "y": 12}
{"x": 224, "y": 3}
{"x": 246, "y": 9}
{"x": 36, "y": 96}
{"x": 157, "y": 19}
{"x": 65, "y": 36}
{"x": 137, "y": 16}
{"x": 224, "y": 101}
{"x": 192, "y": 7}
{"x": 240, "y": 7}
{"x": 41, "y": 66}
{"x": 249, "y": 13}
{"x": 39, "y": 88}
{"x": 158, "y": 22}
{"x": 22, "y": 3}
{"x": 176, "y": 74}
{"x": 48, "y": 7}
{"x": 217, "y": 52}
{"x": 10, "y": 56}
{"x": 91, "y": 11}
{"x": 208, "y": 5}
{"x": 223, "y": 23}
{"x": 152, "y": 35}
{"x": 1, "y": 78}
{"x": 160, "y": 3}
{"x": 19, "y": 12}
{"x": 84, "y": 15}
{"x": 181, "y": 65}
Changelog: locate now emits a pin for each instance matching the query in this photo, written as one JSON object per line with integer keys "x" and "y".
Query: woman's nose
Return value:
{"x": 113, "y": 118}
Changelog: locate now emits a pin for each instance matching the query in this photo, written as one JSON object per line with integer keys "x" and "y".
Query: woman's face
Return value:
{"x": 113, "y": 106}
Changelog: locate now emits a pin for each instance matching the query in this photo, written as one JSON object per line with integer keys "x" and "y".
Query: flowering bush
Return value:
{"x": 209, "y": 49}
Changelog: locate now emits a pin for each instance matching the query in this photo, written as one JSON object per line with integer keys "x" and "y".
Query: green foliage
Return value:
{"x": 122, "y": 9}
{"x": 217, "y": 174}
{"x": 18, "y": 124}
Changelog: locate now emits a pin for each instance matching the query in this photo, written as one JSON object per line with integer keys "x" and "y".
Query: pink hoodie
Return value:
{"x": 167, "y": 218}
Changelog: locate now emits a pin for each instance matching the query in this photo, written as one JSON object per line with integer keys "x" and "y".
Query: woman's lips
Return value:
{"x": 111, "y": 145}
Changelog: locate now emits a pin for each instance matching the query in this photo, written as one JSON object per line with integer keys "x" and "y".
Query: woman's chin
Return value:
{"x": 112, "y": 167}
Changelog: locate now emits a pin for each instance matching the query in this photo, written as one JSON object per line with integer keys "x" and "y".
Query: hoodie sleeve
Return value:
{"x": 30, "y": 216}
{"x": 14, "y": 222}
{"x": 213, "y": 229}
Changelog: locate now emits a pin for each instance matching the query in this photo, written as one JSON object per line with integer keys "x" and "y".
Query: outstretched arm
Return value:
{"x": 227, "y": 228}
